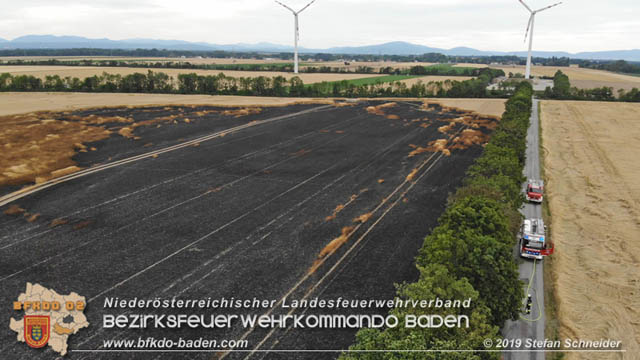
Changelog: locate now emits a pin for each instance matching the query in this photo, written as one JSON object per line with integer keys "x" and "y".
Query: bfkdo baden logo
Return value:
{"x": 49, "y": 318}
{"x": 36, "y": 330}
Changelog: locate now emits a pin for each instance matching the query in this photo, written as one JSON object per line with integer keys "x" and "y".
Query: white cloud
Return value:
{"x": 586, "y": 25}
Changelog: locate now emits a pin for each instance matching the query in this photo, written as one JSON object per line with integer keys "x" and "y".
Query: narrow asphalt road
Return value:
{"x": 530, "y": 326}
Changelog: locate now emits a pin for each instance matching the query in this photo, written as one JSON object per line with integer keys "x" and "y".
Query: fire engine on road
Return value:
{"x": 533, "y": 244}
{"x": 534, "y": 191}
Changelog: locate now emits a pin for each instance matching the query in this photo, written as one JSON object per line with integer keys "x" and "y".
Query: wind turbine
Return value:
{"x": 532, "y": 19}
{"x": 296, "y": 35}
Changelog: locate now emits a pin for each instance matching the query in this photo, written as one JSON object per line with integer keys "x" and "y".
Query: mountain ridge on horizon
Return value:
{"x": 389, "y": 48}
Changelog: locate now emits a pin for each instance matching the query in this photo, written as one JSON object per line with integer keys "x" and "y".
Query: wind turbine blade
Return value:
{"x": 528, "y": 27}
{"x": 309, "y": 4}
{"x": 525, "y": 5}
{"x": 290, "y": 9}
{"x": 548, "y": 7}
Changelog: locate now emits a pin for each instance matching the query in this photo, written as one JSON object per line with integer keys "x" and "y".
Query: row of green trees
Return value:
{"x": 562, "y": 90}
{"x": 159, "y": 82}
{"x": 619, "y": 66}
{"x": 468, "y": 255}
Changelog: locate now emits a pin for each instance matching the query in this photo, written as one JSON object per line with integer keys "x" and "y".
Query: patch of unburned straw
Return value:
{"x": 418, "y": 150}
{"x": 439, "y": 145}
{"x": 66, "y": 171}
{"x": 37, "y": 147}
{"x": 58, "y": 222}
{"x": 332, "y": 247}
{"x": 14, "y": 210}
{"x": 469, "y": 137}
{"x": 100, "y": 120}
{"x": 445, "y": 129}
{"x": 379, "y": 109}
{"x": 344, "y": 104}
{"x": 412, "y": 174}
{"x": 82, "y": 224}
{"x": 363, "y": 218}
{"x": 242, "y": 112}
{"x": 465, "y": 139}
{"x": 339, "y": 208}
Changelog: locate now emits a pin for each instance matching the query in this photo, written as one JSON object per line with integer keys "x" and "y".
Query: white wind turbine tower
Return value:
{"x": 296, "y": 35}
{"x": 530, "y": 34}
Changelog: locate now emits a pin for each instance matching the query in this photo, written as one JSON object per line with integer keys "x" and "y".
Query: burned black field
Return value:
{"x": 334, "y": 202}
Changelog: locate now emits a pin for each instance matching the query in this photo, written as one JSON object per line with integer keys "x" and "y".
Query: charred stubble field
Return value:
{"x": 332, "y": 203}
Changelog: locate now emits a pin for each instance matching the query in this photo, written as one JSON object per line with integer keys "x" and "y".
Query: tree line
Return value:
{"x": 468, "y": 255}
{"x": 619, "y": 66}
{"x": 159, "y": 82}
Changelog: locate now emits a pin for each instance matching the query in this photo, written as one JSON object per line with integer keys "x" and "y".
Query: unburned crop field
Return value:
{"x": 379, "y": 79}
{"x": 306, "y": 201}
{"x": 82, "y": 72}
{"x": 582, "y": 78}
{"x": 591, "y": 163}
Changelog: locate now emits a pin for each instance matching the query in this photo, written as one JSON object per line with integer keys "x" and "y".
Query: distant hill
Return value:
{"x": 390, "y": 48}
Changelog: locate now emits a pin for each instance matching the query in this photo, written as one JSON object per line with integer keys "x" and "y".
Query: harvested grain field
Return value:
{"x": 18, "y": 103}
{"x": 430, "y": 78}
{"x": 594, "y": 195}
{"x": 580, "y": 77}
{"x": 88, "y": 71}
{"x": 491, "y": 107}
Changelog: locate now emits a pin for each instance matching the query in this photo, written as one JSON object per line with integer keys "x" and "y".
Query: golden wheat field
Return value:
{"x": 580, "y": 77}
{"x": 87, "y": 71}
{"x": 18, "y": 103}
{"x": 490, "y": 107}
{"x": 591, "y": 160}
{"x": 430, "y": 78}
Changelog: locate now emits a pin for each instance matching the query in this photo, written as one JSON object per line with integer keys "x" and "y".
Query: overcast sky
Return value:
{"x": 576, "y": 25}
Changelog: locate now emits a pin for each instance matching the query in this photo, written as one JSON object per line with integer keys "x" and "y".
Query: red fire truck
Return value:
{"x": 535, "y": 190}
{"x": 533, "y": 244}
